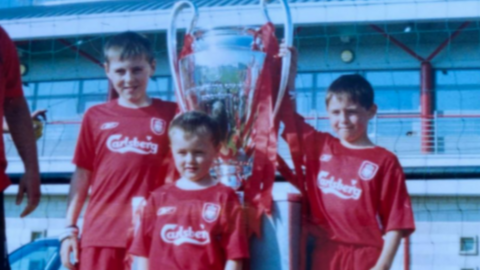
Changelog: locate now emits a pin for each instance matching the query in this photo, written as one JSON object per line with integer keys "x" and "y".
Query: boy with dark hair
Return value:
{"x": 121, "y": 147}
{"x": 357, "y": 195}
{"x": 195, "y": 223}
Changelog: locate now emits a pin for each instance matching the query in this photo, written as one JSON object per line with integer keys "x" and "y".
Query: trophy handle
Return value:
{"x": 172, "y": 46}
{"x": 288, "y": 39}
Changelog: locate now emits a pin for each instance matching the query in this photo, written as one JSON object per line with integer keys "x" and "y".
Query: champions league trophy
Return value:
{"x": 219, "y": 76}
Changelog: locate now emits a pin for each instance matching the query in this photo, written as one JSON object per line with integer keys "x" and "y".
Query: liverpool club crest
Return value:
{"x": 367, "y": 170}
{"x": 158, "y": 126}
{"x": 211, "y": 212}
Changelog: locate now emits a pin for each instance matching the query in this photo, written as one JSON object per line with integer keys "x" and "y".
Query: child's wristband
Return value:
{"x": 70, "y": 231}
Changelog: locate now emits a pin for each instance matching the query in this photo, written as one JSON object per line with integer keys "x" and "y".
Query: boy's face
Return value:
{"x": 129, "y": 76}
{"x": 193, "y": 154}
{"x": 349, "y": 120}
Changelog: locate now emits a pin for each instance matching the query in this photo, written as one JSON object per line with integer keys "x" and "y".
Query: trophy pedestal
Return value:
{"x": 279, "y": 246}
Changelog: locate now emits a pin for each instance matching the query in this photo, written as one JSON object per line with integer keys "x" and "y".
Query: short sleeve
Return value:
{"x": 395, "y": 205}
{"x": 234, "y": 236}
{"x": 142, "y": 240}
{"x": 85, "y": 150}
{"x": 11, "y": 66}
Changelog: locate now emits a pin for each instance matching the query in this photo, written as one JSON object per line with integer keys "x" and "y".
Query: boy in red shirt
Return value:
{"x": 356, "y": 190}
{"x": 195, "y": 223}
{"x": 120, "y": 150}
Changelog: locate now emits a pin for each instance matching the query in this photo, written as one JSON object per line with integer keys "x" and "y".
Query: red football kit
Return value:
{"x": 125, "y": 150}
{"x": 355, "y": 196}
{"x": 10, "y": 87}
{"x": 191, "y": 229}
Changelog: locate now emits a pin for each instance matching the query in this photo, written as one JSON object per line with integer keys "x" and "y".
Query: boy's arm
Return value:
{"x": 234, "y": 265}
{"x": 79, "y": 186}
{"x": 77, "y": 196}
{"x": 390, "y": 246}
{"x": 21, "y": 129}
{"x": 141, "y": 263}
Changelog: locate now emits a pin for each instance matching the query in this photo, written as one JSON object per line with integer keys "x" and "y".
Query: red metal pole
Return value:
{"x": 81, "y": 52}
{"x": 426, "y": 105}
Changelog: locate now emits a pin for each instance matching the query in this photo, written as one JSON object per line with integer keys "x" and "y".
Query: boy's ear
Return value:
{"x": 106, "y": 66}
{"x": 153, "y": 66}
{"x": 373, "y": 111}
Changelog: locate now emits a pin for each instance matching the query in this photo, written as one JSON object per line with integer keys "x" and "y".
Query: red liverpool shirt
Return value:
{"x": 191, "y": 229}
{"x": 355, "y": 195}
{"x": 10, "y": 87}
{"x": 125, "y": 150}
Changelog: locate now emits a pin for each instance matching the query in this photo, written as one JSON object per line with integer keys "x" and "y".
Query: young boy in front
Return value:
{"x": 119, "y": 155}
{"x": 357, "y": 194}
{"x": 195, "y": 223}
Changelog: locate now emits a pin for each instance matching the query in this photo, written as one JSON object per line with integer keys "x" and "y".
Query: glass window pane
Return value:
{"x": 30, "y": 104}
{"x": 160, "y": 84}
{"x": 393, "y": 78}
{"x": 95, "y": 87}
{"x": 304, "y": 102}
{"x": 90, "y": 102}
{"x": 28, "y": 89}
{"x": 59, "y": 108}
{"x": 399, "y": 99}
{"x": 58, "y": 88}
{"x": 304, "y": 80}
{"x": 325, "y": 79}
{"x": 457, "y": 91}
{"x": 457, "y": 77}
{"x": 396, "y": 91}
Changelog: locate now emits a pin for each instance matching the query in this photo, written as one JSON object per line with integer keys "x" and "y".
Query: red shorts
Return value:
{"x": 104, "y": 258}
{"x": 339, "y": 256}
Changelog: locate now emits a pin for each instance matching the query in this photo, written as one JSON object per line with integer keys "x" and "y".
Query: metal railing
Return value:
{"x": 403, "y": 134}
{"x": 412, "y": 134}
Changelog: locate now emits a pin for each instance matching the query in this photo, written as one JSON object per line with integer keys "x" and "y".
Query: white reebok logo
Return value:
{"x": 118, "y": 143}
{"x": 109, "y": 125}
{"x": 178, "y": 235}
{"x": 326, "y": 158}
{"x": 166, "y": 210}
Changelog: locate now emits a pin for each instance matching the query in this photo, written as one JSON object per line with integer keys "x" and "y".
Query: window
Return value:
{"x": 457, "y": 91}
{"x": 161, "y": 87}
{"x": 38, "y": 235}
{"x": 396, "y": 91}
{"x": 468, "y": 245}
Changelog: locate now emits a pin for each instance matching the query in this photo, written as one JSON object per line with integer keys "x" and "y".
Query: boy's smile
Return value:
{"x": 349, "y": 120}
{"x": 130, "y": 77}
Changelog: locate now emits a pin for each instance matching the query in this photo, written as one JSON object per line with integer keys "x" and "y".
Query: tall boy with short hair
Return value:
{"x": 356, "y": 190}
{"x": 121, "y": 146}
{"x": 195, "y": 223}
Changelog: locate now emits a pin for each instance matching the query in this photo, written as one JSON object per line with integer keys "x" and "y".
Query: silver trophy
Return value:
{"x": 219, "y": 76}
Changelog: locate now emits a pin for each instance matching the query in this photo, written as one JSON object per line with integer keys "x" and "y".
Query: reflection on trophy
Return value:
{"x": 218, "y": 74}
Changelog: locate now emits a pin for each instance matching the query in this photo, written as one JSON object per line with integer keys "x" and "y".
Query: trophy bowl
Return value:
{"x": 220, "y": 78}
